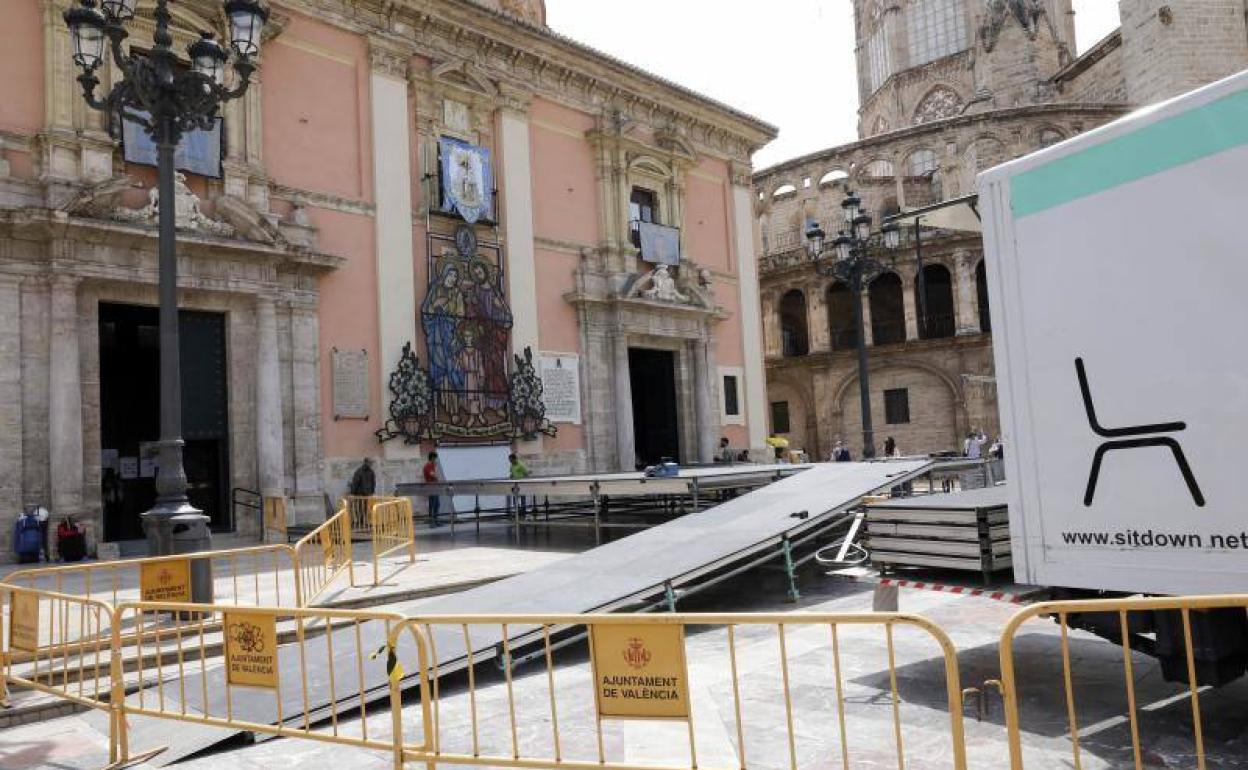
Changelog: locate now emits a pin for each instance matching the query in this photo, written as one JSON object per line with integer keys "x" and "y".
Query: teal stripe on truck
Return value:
{"x": 1180, "y": 139}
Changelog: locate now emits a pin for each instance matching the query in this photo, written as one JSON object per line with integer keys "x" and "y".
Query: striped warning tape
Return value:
{"x": 1000, "y": 596}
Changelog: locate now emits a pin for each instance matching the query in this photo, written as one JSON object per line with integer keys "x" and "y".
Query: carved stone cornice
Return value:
{"x": 388, "y": 58}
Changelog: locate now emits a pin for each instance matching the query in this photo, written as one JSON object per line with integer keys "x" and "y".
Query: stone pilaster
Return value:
{"x": 305, "y": 446}
{"x": 65, "y": 400}
{"x": 705, "y": 417}
{"x": 392, "y": 179}
{"x": 625, "y": 446}
{"x": 270, "y": 456}
{"x": 966, "y": 306}
{"x": 909, "y": 283}
{"x": 10, "y": 395}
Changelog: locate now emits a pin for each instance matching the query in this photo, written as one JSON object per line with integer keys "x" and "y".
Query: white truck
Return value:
{"x": 1118, "y": 283}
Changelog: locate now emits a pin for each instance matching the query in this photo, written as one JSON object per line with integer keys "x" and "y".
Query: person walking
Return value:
{"x": 725, "y": 451}
{"x": 973, "y": 447}
{"x": 890, "y": 447}
{"x": 840, "y": 453}
{"x": 430, "y": 474}
{"x": 517, "y": 470}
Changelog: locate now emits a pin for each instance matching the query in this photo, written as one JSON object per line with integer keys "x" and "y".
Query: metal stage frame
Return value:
{"x": 590, "y": 500}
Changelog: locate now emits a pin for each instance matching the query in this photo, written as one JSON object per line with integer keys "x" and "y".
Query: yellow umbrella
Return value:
{"x": 779, "y": 443}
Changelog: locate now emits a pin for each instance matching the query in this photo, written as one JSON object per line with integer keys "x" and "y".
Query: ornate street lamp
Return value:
{"x": 849, "y": 260}
{"x": 165, "y": 98}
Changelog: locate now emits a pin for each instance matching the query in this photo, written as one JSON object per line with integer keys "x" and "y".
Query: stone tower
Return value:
{"x": 1173, "y": 46}
{"x": 1019, "y": 45}
{"x": 924, "y": 60}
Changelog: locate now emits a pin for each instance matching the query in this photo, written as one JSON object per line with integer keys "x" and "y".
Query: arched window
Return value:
{"x": 888, "y": 311}
{"x": 939, "y": 303}
{"x": 832, "y": 177}
{"x": 793, "y": 334}
{"x": 879, "y": 169}
{"x": 921, "y": 162}
{"x": 981, "y": 289}
{"x": 843, "y": 330}
{"x": 988, "y": 151}
{"x": 783, "y": 190}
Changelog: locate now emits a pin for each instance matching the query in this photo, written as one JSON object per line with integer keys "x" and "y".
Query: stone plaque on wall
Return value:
{"x": 561, "y": 387}
{"x": 350, "y": 384}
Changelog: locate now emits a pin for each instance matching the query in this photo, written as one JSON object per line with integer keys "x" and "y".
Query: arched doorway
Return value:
{"x": 888, "y": 312}
{"x": 794, "y": 336}
{"x": 843, "y": 331}
{"x": 939, "y": 320}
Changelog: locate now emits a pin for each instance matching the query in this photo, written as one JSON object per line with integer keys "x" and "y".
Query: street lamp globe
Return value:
{"x": 208, "y": 57}
{"x": 815, "y": 235}
{"x": 851, "y": 207}
{"x": 86, "y": 31}
{"x": 247, "y": 18}
{"x": 118, "y": 11}
{"x": 892, "y": 235}
{"x": 844, "y": 246}
{"x": 862, "y": 226}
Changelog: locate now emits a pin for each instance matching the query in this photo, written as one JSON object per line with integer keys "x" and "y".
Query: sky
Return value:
{"x": 788, "y": 62}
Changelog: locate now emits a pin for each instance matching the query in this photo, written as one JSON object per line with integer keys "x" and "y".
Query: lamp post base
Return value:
{"x": 181, "y": 529}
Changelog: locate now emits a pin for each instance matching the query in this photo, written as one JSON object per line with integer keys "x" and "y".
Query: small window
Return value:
{"x": 779, "y": 416}
{"x": 732, "y": 406}
{"x": 897, "y": 406}
{"x": 643, "y": 206}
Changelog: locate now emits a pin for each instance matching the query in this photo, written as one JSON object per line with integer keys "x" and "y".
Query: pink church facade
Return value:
{"x": 448, "y": 178}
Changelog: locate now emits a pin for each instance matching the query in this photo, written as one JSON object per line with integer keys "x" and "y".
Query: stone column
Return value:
{"x": 10, "y": 399}
{"x": 305, "y": 400}
{"x": 966, "y": 307}
{"x": 625, "y": 446}
{"x": 270, "y": 454}
{"x": 706, "y": 421}
{"x": 392, "y": 181}
{"x": 65, "y": 400}
{"x": 909, "y": 285}
{"x": 817, "y": 326}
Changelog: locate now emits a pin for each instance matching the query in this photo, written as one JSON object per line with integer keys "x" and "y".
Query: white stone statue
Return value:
{"x": 662, "y": 286}
{"x": 187, "y": 215}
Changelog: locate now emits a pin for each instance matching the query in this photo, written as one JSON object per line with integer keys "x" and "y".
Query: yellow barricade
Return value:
{"x": 1100, "y": 670}
{"x": 641, "y": 671}
{"x": 312, "y": 673}
{"x": 362, "y": 511}
{"x": 324, "y": 554}
{"x": 65, "y": 646}
{"x": 260, "y": 575}
{"x": 392, "y": 528}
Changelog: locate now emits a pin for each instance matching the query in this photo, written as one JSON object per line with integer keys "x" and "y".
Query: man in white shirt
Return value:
{"x": 972, "y": 448}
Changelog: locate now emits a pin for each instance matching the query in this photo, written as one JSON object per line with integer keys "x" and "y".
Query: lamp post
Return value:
{"x": 167, "y": 100}
{"x": 849, "y": 260}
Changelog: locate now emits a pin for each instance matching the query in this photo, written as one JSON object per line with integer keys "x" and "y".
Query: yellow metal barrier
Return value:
{"x": 324, "y": 554}
{"x": 362, "y": 511}
{"x": 66, "y": 646}
{"x": 260, "y": 575}
{"x": 1126, "y": 622}
{"x": 640, "y": 671}
{"x": 392, "y": 529}
{"x": 302, "y": 673}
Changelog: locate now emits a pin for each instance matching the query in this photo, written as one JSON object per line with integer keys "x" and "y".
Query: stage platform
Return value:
{"x": 644, "y": 571}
